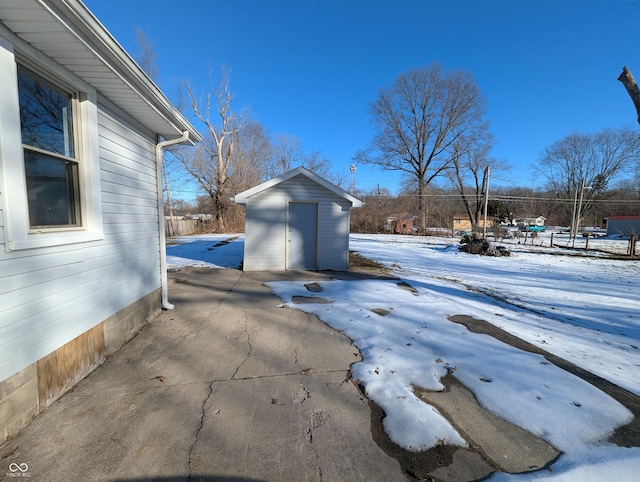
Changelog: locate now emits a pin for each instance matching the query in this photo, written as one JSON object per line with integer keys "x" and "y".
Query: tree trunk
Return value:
{"x": 220, "y": 214}
{"x": 473, "y": 219}
{"x": 632, "y": 88}
{"x": 422, "y": 205}
{"x": 172, "y": 228}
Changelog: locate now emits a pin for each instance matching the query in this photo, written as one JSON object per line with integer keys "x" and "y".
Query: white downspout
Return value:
{"x": 164, "y": 282}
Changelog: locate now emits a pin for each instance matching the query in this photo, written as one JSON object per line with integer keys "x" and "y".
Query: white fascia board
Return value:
{"x": 96, "y": 38}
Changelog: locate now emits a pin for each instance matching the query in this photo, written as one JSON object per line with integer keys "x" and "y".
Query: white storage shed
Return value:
{"x": 297, "y": 221}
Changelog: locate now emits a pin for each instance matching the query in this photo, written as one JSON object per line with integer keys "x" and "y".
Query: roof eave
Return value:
{"x": 106, "y": 48}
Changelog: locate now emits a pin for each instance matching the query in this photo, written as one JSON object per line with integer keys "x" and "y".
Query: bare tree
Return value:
{"x": 467, "y": 174}
{"x": 287, "y": 154}
{"x": 211, "y": 161}
{"x": 316, "y": 162}
{"x": 379, "y": 206}
{"x": 253, "y": 154}
{"x": 146, "y": 56}
{"x": 419, "y": 120}
{"x": 595, "y": 161}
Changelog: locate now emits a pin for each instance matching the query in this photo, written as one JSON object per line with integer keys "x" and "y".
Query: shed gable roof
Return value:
{"x": 67, "y": 32}
{"x": 244, "y": 196}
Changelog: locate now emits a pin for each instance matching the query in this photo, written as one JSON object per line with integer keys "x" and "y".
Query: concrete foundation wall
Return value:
{"x": 31, "y": 390}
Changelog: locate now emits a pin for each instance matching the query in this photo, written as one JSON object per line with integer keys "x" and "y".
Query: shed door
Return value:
{"x": 302, "y": 235}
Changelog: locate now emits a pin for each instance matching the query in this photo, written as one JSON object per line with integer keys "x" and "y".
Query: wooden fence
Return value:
{"x": 182, "y": 227}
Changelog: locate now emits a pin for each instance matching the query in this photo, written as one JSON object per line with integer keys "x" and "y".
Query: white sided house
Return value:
{"x": 82, "y": 257}
{"x": 297, "y": 221}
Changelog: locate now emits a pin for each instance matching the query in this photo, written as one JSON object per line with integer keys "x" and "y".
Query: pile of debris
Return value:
{"x": 475, "y": 245}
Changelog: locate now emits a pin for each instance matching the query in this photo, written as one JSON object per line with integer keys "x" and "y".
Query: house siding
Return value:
{"x": 461, "y": 222}
{"x": 266, "y": 225}
{"x": 1, "y": 215}
{"x": 54, "y": 300}
{"x": 71, "y": 297}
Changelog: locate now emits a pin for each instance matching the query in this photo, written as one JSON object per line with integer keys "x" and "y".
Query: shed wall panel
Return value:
{"x": 264, "y": 238}
{"x": 49, "y": 296}
{"x": 334, "y": 237}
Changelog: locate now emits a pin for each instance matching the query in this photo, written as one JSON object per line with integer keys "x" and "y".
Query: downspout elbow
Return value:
{"x": 164, "y": 282}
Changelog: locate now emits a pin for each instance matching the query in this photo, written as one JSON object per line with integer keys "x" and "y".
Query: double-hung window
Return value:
{"x": 49, "y": 152}
{"x": 50, "y": 191}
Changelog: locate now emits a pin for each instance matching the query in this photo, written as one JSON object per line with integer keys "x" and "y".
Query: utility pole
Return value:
{"x": 582, "y": 188}
{"x": 485, "y": 183}
{"x": 572, "y": 232}
{"x": 578, "y": 214}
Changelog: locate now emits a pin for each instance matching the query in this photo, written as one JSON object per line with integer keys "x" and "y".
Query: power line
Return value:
{"x": 523, "y": 198}
{"x": 569, "y": 200}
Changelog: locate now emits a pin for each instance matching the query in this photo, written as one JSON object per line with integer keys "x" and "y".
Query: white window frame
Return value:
{"x": 13, "y": 191}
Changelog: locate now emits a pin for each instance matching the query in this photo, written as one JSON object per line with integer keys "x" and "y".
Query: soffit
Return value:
{"x": 67, "y": 32}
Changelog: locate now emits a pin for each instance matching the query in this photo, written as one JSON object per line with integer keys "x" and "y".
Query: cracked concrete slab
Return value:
{"x": 227, "y": 386}
{"x": 295, "y": 428}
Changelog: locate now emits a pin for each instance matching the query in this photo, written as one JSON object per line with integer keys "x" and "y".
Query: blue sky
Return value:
{"x": 310, "y": 68}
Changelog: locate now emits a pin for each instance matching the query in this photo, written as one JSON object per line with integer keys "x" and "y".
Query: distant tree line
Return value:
{"x": 431, "y": 125}
{"x": 505, "y": 205}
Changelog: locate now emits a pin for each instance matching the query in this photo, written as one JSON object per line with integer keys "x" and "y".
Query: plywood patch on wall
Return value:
{"x": 62, "y": 369}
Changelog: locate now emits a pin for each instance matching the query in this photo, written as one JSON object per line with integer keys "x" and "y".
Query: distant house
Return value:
{"x": 82, "y": 256}
{"x": 538, "y": 221}
{"x": 461, "y": 222}
{"x": 623, "y": 226}
{"x": 530, "y": 224}
{"x": 402, "y": 224}
{"x": 297, "y": 221}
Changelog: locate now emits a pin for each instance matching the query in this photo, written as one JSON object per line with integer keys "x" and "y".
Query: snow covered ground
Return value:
{"x": 585, "y": 310}
{"x": 206, "y": 251}
{"x": 597, "y": 243}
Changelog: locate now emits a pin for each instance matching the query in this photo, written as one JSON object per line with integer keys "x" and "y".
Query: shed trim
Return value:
{"x": 243, "y": 196}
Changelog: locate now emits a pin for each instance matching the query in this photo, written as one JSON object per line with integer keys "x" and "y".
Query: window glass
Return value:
{"x": 51, "y": 190}
{"x": 46, "y": 119}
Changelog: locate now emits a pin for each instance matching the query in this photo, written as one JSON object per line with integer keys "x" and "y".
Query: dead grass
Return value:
{"x": 359, "y": 262}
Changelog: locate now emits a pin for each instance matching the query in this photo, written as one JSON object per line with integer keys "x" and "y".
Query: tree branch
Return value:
{"x": 632, "y": 88}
